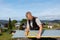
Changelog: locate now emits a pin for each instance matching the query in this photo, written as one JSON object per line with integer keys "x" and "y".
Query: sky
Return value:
{"x": 16, "y": 9}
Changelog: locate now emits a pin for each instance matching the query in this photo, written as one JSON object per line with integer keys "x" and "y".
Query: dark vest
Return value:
{"x": 35, "y": 26}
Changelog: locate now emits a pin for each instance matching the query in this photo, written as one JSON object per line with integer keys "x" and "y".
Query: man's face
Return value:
{"x": 29, "y": 16}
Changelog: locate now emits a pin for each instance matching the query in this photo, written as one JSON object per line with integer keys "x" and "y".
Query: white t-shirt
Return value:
{"x": 37, "y": 21}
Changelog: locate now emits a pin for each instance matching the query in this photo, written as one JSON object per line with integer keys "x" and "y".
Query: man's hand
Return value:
{"x": 26, "y": 32}
{"x": 38, "y": 36}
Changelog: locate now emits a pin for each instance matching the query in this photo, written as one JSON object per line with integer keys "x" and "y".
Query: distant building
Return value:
{"x": 50, "y": 25}
{"x": 17, "y": 25}
{"x": 1, "y": 25}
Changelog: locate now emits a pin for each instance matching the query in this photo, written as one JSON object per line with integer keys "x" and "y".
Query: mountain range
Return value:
{"x": 43, "y": 21}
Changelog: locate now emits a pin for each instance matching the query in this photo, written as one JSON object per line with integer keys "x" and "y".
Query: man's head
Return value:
{"x": 29, "y": 16}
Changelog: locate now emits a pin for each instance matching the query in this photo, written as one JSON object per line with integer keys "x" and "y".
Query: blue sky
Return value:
{"x": 16, "y": 9}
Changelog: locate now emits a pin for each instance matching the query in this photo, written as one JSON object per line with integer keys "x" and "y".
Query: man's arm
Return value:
{"x": 39, "y": 32}
{"x": 27, "y": 29}
{"x": 40, "y": 27}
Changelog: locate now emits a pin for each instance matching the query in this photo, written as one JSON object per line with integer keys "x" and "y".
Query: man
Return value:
{"x": 33, "y": 23}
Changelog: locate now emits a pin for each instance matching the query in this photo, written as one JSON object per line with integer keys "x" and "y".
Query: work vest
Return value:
{"x": 34, "y": 24}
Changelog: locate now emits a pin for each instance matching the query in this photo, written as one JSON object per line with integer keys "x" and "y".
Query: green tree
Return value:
{"x": 46, "y": 24}
{"x": 13, "y": 22}
{"x": 22, "y": 22}
{"x": 9, "y": 25}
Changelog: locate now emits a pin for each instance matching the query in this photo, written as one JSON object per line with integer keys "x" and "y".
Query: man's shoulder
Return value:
{"x": 36, "y": 17}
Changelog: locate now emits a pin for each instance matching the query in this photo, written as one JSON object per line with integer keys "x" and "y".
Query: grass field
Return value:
{"x": 5, "y": 36}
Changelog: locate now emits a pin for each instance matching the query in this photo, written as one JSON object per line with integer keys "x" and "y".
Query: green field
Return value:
{"x": 5, "y": 36}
